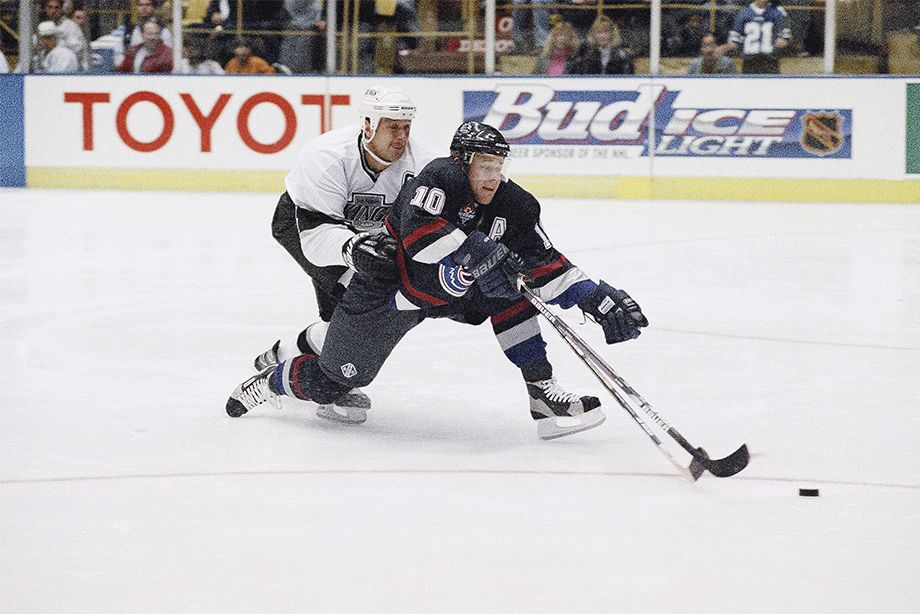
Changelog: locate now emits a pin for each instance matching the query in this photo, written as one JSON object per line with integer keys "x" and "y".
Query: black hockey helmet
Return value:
{"x": 476, "y": 137}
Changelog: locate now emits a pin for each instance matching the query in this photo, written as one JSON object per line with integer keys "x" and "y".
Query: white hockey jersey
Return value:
{"x": 332, "y": 181}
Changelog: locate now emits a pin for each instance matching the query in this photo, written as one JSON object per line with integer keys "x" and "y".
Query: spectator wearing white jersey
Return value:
{"x": 50, "y": 56}
{"x": 69, "y": 33}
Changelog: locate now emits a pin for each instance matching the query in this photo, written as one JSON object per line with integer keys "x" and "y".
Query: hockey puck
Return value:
{"x": 808, "y": 492}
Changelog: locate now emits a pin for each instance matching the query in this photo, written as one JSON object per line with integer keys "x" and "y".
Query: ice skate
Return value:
{"x": 268, "y": 358}
{"x": 252, "y": 393}
{"x": 559, "y": 413}
{"x": 351, "y": 407}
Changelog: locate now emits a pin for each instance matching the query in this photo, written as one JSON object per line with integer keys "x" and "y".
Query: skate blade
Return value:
{"x": 560, "y": 426}
{"x": 336, "y": 413}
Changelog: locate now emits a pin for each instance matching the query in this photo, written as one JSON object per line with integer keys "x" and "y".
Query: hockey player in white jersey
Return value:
{"x": 341, "y": 187}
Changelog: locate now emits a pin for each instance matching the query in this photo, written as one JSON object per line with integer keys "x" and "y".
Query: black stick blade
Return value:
{"x": 728, "y": 466}
{"x": 697, "y": 467}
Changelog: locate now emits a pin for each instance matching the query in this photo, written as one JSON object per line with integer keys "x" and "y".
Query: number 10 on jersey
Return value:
{"x": 429, "y": 199}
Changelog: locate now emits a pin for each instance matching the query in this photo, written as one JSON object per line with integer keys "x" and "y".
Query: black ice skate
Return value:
{"x": 559, "y": 413}
{"x": 252, "y": 393}
{"x": 351, "y": 407}
{"x": 268, "y": 358}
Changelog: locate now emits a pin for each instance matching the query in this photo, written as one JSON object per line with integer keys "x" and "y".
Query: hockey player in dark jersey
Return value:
{"x": 462, "y": 235}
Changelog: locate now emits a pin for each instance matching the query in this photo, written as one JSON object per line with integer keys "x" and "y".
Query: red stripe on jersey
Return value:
{"x": 404, "y": 274}
{"x": 549, "y": 268}
{"x": 515, "y": 309}
{"x": 295, "y": 380}
{"x": 418, "y": 233}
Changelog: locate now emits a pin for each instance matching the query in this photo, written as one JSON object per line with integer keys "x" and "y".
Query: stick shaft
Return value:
{"x": 606, "y": 376}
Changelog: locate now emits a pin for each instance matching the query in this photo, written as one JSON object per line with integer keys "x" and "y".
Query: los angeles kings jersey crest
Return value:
{"x": 337, "y": 194}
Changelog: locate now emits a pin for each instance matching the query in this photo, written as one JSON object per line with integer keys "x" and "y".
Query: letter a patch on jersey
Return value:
{"x": 499, "y": 226}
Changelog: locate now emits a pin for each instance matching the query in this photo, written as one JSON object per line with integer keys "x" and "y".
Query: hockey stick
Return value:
{"x": 722, "y": 468}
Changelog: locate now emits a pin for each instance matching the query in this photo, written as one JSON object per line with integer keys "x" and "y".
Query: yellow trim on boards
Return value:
{"x": 544, "y": 186}
{"x": 744, "y": 189}
{"x": 183, "y": 180}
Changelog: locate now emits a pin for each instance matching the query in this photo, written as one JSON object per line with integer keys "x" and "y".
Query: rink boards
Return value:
{"x": 780, "y": 139}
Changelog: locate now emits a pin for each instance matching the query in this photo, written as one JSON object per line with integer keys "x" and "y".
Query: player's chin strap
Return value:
{"x": 376, "y": 158}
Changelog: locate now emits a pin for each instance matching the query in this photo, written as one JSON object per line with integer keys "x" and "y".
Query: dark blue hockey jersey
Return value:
{"x": 435, "y": 212}
{"x": 756, "y": 30}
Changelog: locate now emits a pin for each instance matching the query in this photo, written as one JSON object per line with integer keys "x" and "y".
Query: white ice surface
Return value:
{"x": 127, "y": 318}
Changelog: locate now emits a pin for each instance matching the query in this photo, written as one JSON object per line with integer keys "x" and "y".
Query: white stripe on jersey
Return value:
{"x": 518, "y": 334}
{"x": 402, "y": 303}
{"x": 554, "y": 288}
{"x": 442, "y": 247}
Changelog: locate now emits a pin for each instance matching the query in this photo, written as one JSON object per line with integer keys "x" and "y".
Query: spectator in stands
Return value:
{"x": 603, "y": 55}
{"x": 371, "y": 15}
{"x": 220, "y": 13}
{"x": 298, "y": 52}
{"x": 69, "y": 34}
{"x": 50, "y": 56}
{"x": 264, "y": 15}
{"x": 4, "y": 66}
{"x": 534, "y": 40}
{"x": 710, "y": 62}
{"x": 407, "y": 21}
{"x": 689, "y": 36}
{"x": 78, "y": 16}
{"x": 761, "y": 31}
{"x": 195, "y": 62}
{"x": 797, "y": 19}
{"x": 151, "y": 56}
{"x": 634, "y": 25}
{"x": 244, "y": 62}
{"x": 560, "y": 51}
{"x": 131, "y": 35}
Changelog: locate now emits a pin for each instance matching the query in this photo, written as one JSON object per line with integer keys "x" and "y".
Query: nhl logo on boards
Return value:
{"x": 822, "y": 133}
{"x": 349, "y": 370}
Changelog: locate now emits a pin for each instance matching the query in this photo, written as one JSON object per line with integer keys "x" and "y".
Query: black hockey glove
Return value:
{"x": 372, "y": 255}
{"x": 494, "y": 267}
{"x": 617, "y": 313}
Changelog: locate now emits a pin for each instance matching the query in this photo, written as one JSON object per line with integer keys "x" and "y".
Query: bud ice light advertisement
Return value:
{"x": 534, "y": 114}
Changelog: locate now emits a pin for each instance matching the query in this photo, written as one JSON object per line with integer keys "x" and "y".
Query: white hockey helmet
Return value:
{"x": 390, "y": 102}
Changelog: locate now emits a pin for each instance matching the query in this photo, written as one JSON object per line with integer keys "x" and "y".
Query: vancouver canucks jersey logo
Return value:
{"x": 366, "y": 211}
